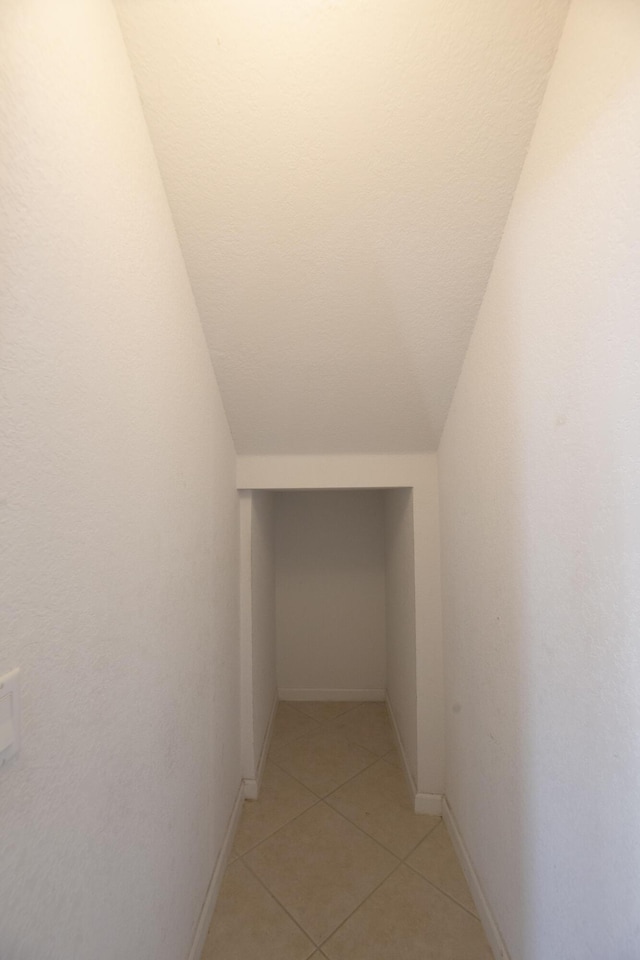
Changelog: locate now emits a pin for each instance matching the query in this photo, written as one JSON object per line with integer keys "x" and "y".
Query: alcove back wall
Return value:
{"x": 330, "y": 594}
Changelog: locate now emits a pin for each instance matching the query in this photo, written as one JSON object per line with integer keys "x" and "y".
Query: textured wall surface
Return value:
{"x": 340, "y": 174}
{"x": 330, "y": 585}
{"x": 420, "y": 473}
{"x": 540, "y": 479}
{"x": 118, "y": 514}
{"x": 263, "y": 599}
{"x": 401, "y": 620}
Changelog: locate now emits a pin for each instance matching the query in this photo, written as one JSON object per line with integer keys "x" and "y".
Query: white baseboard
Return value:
{"x": 428, "y": 803}
{"x": 485, "y": 913}
{"x": 360, "y": 695}
{"x": 422, "y": 802}
{"x": 204, "y": 920}
{"x": 252, "y": 784}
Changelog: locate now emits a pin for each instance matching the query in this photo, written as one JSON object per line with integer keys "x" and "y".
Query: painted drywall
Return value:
{"x": 540, "y": 480}
{"x": 420, "y": 473}
{"x": 330, "y": 593}
{"x": 401, "y": 622}
{"x": 259, "y": 689}
{"x": 245, "y": 516}
{"x": 118, "y": 573}
{"x": 263, "y": 599}
{"x": 361, "y": 158}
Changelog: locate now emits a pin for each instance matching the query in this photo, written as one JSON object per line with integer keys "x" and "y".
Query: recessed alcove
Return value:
{"x": 328, "y": 604}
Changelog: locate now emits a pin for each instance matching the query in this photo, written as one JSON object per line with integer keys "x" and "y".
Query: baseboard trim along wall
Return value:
{"x": 399, "y": 744}
{"x": 428, "y": 803}
{"x": 422, "y": 802}
{"x": 204, "y": 921}
{"x": 360, "y": 695}
{"x": 252, "y": 784}
{"x": 487, "y": 918}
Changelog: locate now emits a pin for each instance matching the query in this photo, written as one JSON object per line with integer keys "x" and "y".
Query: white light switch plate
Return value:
{"x": 9, "y": 715}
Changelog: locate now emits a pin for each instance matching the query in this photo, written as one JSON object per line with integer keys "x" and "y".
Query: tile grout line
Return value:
{"x": 427, "y": 834}
{"x": 329, "y": 724}
{"x": 268, "y": 836}
{"x": 364, "y": 833}
{"x": 346, "y": 820}
{"x": 283, "y": 908}
{"x": 440, "y": 890}
{"x": 379, "y": 842}
{"x": 357, "y": 907}
{"x": 299, "y": 736}
{"x": 401, "y": 863}
{"x": 282, "y": 769}
{"x": 362, "y": 903}
{"x": 318, "y": 801}
{"x": 340, "y": 785}
{"x": 375, "y": 839}
{"x": 401, "y": 860}
{"x": 324, "y": 800}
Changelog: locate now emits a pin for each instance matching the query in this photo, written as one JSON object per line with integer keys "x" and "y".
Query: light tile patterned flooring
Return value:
{"x": 331, "y": 862}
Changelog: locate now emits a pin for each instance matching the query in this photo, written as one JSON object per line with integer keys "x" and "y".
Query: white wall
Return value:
{"x": 258, "y": 630}
{"x": 245, "y": 511}
{"x": 340, "y": 173}
{"x": 401, "y": 622}
{"x": 419, "y": 472}
{"x": 330, "y": 586}
{"x": 119, "y": 527}
{"x": 540, "y": 479}
{"x": 263, "y": 579}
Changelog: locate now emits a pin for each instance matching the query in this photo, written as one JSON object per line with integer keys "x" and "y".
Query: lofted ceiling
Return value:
{"x": 340, "y": 172}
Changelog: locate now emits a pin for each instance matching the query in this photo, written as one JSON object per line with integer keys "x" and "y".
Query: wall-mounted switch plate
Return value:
{"x": 9, "y": 715}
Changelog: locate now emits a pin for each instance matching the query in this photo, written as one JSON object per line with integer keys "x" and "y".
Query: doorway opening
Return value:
{"x": 327, "y": 609}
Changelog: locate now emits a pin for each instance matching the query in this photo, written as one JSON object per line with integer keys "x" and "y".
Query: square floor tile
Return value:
{"x": 368, "y": 726}
{"x": 377, "y": 801}
{"x": 248, "y": 924}
{"x": 408, "y": 919}
{"x": 320, "y": 868}
{"x": 322, "y": 761}
{"x": 281, "y": 799}
{"x": 435, "y": 859}
{"x": 323, "y": 710}
{"x": 290, "y": 724}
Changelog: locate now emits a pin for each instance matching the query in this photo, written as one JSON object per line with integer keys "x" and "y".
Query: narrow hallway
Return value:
{"x": 332, "y": 856}
{"x": 319, "y": 394}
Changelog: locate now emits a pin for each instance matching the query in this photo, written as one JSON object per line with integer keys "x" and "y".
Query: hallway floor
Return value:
{"x": 331, "y": 862}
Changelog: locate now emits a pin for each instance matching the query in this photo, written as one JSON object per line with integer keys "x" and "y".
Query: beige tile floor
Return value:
{"x": 331, "y": 862}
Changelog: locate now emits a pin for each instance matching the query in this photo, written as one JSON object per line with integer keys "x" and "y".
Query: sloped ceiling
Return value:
{"x": 340, "y": 172}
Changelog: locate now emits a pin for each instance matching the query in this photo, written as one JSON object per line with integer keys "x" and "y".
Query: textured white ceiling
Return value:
{"x": 340, "y": 172}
